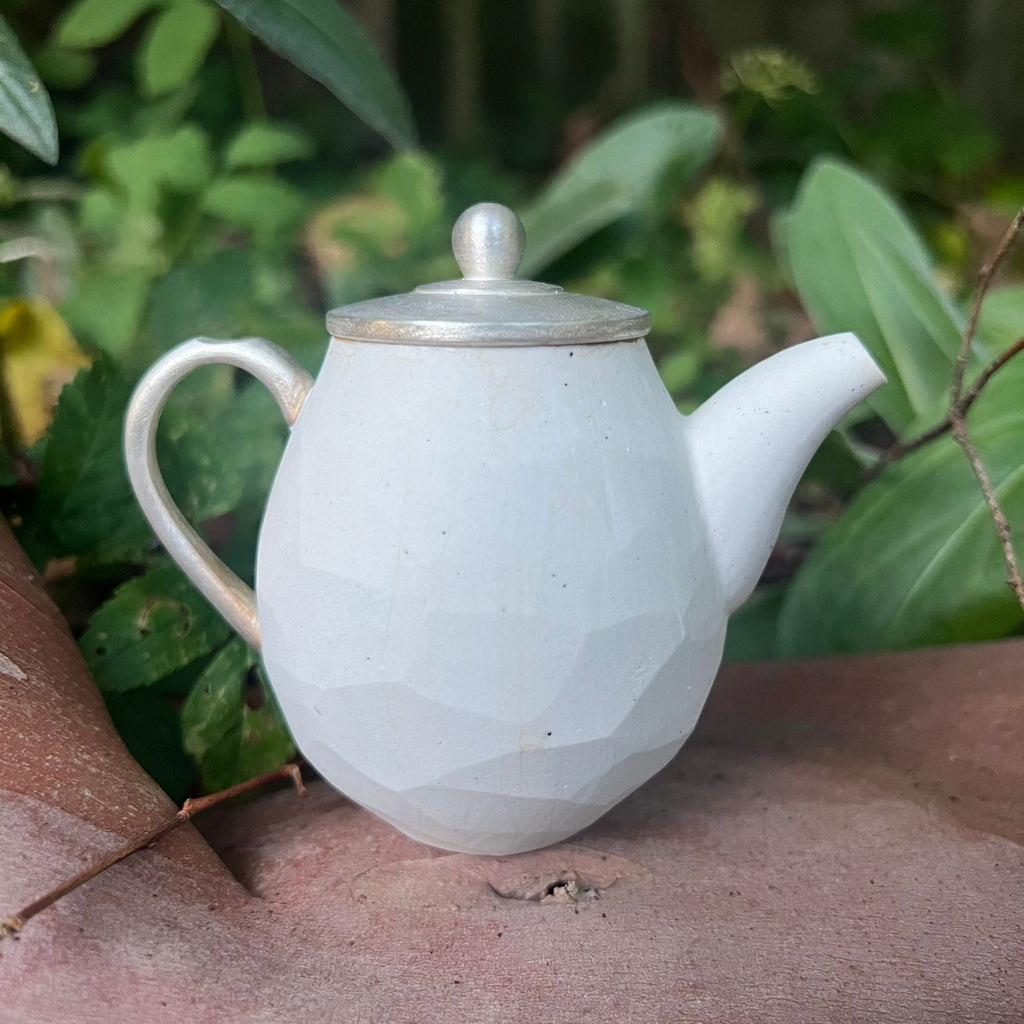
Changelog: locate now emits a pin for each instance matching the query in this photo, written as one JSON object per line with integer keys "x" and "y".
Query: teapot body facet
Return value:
{"x": 487, "y": 605}
{"x": 495, "y": 566}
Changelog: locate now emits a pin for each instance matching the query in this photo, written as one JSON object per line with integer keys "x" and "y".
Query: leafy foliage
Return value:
{"x": 89, "y": 23}
{"x": 859, "y": 265}
{"x": 264, "y": 144}
{"x": 176, "y": 42}
{"x": 323, "y": 39}
{"x": 190, "y": 202}
{"x": 616, "y": 174}
{"x": 891, "y": 585}
{"x": 230, "y": 740}
{"x": 151, "y": 627}
{"x": 26, "y": 114}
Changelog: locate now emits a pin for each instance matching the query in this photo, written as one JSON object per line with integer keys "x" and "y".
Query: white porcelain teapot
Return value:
{"x": 496, "y": 563}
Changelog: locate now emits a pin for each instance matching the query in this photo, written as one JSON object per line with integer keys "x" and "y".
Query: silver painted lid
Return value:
{"x": 488, "y": 306}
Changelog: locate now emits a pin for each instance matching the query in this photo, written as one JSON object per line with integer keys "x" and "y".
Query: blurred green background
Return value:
{"x": 752, "y": 172}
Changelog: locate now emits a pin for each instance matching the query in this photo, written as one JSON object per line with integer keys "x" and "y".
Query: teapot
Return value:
{"x": 496, "y": 563}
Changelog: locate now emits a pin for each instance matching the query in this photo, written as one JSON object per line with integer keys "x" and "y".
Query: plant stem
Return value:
{"x": 960, "y": 402}
{"x": 10, "y": 926}
{"x": 897, "y": 451}
{"x": 985, "y": 275}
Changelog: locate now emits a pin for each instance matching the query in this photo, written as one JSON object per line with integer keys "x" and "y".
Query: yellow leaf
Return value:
{"x": 39, "y": 357}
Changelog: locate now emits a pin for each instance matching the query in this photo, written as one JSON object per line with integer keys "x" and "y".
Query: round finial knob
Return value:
{"x": 488, "y": 242}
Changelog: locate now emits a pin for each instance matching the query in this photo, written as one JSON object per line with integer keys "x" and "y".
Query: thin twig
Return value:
{"x": 960, "y": 402}
{"x": 10, "y": 926}
{"x": 958, "y": 414}
{"x": 985, "y": 276}
{"x": 897, "y": 451}
{"x": 995, "y": 510}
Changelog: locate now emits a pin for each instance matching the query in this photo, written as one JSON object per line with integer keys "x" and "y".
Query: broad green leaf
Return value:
{"x": 615, "y": 174}
{"x": 151, "y": 627}
{"x": 85, "y": 505}
{"x": 415, "y": 183}
{"x": 265, "y": 144}
{"x": 263, "y": 204}
{"x": 914, "y": 559}
{"x": 90, "y": 23}
{"x": 176, "y": 42}
{"x": 679, "y": 369}
{"x": 321, "y": 38}
{"x": 212, "y": 296}
{"x": 177, "y": 160}
{"x": 752, "y": 629}
{"x": 230, "y": 741}
{"x": 62, "y": 68}
{"x": 85, "y": 502}
{"x": 149, "y": 722}
{"x": 859, "y": 266}
{"x": 106, "y": 306}
{"x": 1001, "y": 321}
{"x": 26, "y": 113}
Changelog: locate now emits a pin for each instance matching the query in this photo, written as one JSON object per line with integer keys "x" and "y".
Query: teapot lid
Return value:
{"x": 489, "y": 306}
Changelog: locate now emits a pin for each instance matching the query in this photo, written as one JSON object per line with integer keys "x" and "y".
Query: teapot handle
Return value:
{"x": 286, "y": 380}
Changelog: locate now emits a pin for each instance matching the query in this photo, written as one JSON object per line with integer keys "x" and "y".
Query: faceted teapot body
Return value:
{"x": 495, "y": 567}
{"x": 487, "y": 606}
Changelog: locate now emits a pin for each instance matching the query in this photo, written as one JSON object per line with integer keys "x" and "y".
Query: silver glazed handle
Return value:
{"x": 286, "y": 380}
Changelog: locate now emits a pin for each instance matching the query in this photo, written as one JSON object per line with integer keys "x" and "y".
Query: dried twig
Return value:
{"x": 960, "y": 401}
{"x": 970, "y": 396}
{"x": 985, "y": 276}
{"x": 10, "y": 926}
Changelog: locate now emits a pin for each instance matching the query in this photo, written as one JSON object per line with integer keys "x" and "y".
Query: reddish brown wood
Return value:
{"x": 840, "y": 842}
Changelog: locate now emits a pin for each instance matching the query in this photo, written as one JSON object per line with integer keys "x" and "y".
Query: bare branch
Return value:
{"x": 897, "y": 451}
{"x": 995, "y": 510}
{"x": 985, "y": 276}
{"x": 960, "y": 402}
{"x": 10, "y": 926}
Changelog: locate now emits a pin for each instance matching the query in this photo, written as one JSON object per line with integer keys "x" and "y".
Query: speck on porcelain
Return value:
{"x": 496, "y": 563}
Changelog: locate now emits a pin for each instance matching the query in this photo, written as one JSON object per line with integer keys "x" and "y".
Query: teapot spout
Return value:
{"x": 750, "y": 443}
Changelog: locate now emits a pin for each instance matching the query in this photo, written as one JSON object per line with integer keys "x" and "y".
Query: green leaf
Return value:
{"x": 151, "y": 627}
{"x": 90, "y": 23}
{"x": 85, "y": 503}
{"x": 1001, "y": 321}
{"x": 615, "y": 174}
{"x": 106, "y": 306}
{"x": 230, "y": 741}
{"x": 914, "y": 559}
{"x": 150, "y": 724}
{"x": 265, "y": 144}
{"x": 62, "y": 68}
{"x": 679, "y": 369}
{"x": 752, "y": 629}
{"x": 177, "y": 160}
{"x": 212, "y": 296}
{"x": 321, "y": 38}
{"x": 26, "y": 113}
{"x": 176, "y": 43}
{"x": 263, "y": 204}
{"x": 859, "y": 266}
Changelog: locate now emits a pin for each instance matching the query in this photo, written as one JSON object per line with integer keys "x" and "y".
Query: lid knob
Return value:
{"x": 488, "y": 242}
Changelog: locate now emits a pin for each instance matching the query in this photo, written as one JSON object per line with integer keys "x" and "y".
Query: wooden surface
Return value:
{"x": 841, "y": 841}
